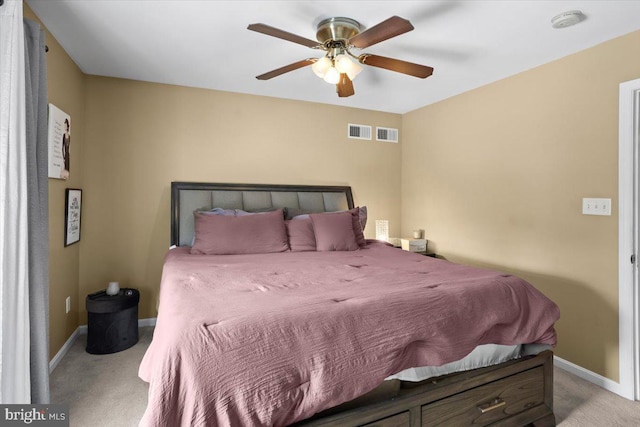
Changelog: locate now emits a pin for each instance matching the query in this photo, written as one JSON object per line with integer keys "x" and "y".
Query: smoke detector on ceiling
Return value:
{"x": 567, "y": 19}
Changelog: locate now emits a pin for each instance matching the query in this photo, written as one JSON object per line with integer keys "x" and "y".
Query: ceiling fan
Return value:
{"x": 337, "y": 36}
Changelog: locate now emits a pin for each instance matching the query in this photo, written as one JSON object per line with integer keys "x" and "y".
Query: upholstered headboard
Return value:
{"x": 187, "y": 197}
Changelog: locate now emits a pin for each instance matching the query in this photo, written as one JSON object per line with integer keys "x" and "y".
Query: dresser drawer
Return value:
{"x": 488, "y": 403}
{"x": 400, "y": 420}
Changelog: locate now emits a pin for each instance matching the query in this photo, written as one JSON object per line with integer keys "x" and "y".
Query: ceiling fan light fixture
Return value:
{"x": 354, "y": 70}
{"x": 321, "y": 66}
{"x": 345, "y": 65}
{"x": 332, "y": 76}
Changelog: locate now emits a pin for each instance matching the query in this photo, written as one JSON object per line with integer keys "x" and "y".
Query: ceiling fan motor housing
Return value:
{"x": 338, "y": 28}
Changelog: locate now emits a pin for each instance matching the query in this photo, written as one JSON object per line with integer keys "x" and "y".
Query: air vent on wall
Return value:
{"x": 387, "y": 134}
{"x": 358, "y": 131}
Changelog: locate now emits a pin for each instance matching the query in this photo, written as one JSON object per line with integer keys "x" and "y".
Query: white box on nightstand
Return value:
{"x": 414, "y": 245}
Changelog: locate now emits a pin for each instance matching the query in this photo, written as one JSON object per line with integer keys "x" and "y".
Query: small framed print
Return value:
{"x": 73, "y": 209}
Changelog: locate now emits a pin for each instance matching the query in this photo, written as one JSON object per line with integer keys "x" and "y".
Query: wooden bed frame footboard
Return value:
{"x": 514, "y": 393}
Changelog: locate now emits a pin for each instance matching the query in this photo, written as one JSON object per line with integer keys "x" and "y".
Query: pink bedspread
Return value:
{"x": 271, "y": 339}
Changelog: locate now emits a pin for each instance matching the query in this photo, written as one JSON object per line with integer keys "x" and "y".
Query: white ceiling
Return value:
{"x": 206, "y": 44}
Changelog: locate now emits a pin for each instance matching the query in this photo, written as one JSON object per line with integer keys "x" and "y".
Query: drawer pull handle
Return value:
{"x": 497, "y": 403}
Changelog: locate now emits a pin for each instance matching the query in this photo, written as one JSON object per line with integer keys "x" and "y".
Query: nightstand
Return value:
{"x": 112, "y": 324}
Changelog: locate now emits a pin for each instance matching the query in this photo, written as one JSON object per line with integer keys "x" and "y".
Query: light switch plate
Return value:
{"x": 591, "y": 206}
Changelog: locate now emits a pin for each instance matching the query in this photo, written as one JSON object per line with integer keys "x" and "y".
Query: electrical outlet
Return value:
{"x": 592, "y": 206}
{"x": 67, "y": 305}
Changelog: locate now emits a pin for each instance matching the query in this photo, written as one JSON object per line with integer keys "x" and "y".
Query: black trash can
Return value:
{"x": 113, "y": 321}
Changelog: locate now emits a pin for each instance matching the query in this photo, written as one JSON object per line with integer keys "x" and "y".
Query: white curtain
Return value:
{"x": 14, "y": 282}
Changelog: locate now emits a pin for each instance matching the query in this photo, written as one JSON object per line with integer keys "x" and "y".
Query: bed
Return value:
{"x": 326, "y": 337}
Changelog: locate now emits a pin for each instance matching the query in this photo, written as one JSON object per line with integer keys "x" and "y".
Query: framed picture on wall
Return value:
{"x": 59, "y": 137}
{"x": 73, "y": 209}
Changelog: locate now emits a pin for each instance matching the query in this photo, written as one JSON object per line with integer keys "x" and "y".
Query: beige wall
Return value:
{"x": 496, "y": 177}
{"x": 66, "y": 91}
{"x": 142, "y": 136}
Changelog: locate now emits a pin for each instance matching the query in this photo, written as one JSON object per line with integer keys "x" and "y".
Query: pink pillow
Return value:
{"x": 357, "y": 226}
{"x": 301, "y": 236}
{"x": 334, "y": 232}
{"x": 363, "y": 216}
{"x": 251, "y": 234}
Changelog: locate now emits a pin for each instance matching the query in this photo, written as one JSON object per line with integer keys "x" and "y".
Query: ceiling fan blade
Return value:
{"x": 281, "y": 34}
{"x": 345, "y": 87}
{"x": 286, "y": 69}
{"x": 416, "y": 70}
{"x": 392, "y": 27}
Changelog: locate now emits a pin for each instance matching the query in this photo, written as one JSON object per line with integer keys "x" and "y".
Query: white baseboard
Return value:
{"x": 82, "y": 330}
{"x": 587, "y": 375}
{"x": 65, "y": 348}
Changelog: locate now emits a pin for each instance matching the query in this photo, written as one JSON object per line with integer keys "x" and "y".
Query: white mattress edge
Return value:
{"x": 480, "y": 357}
